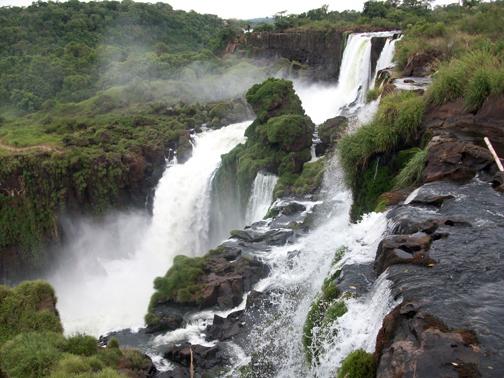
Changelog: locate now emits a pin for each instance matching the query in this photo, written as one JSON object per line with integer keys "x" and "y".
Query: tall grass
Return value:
{"x": 412, "y": 171}
{"x": 474, "y": 77}
{"x": 397, "y": 123}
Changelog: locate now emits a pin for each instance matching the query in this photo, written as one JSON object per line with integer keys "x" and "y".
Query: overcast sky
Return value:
{"x": 250, "y": 8}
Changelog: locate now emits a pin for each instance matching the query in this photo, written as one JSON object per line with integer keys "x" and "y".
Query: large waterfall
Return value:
{"x": 109, "y": 281}
{"x": 297, "y": 281}
{"x": 110, "y": 285}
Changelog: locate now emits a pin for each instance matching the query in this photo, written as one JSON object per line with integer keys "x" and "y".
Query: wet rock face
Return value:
{"x": 457, "y": 151}
{"x": 321, "y": 51}
{"x": 414, "y": 343}
{"x": 450, "y": 322}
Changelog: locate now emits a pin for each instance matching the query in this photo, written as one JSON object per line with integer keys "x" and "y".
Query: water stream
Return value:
{"x": 107, "y": 281}
{"x": 108, "y": 284}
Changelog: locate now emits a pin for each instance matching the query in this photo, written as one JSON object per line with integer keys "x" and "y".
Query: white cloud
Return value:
{"x": 248, "y": 8}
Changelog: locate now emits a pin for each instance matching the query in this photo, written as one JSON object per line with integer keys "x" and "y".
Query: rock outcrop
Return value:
{"x": 443, "y": 258}
{"x": 322, "y": 51}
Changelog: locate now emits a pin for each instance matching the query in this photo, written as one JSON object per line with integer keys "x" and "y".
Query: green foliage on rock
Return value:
{"x": 278, "y": 142}
{"x": 272, "y": 98}
{"x": 180, "y": 282}
{"x": 397, "y": 124}
{"x": 28, "y": 307}
{"x": 326, "y": 308}
{"x": 32, "y": 343}
{"x": 411, "y": 173}
{"x": 358, "y": 364}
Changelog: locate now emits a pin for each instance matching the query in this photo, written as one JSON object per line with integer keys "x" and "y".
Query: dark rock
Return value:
{"x": 330, "y": 132}
{"x": 498, "y": 182}
{"x": 322, "y": 51}
{"x": 420, "y": 64}
{"x": 203, "y": 358}
{"x": 377, "y": 44}
{"x": 292, "y": 208}
{"x": 455, "y": 160}
{"x": 167, "y": 322}
{"x": 225, "y": 328}
{"x": 414, "y": 343}
{"x": 403, "y": 249}
{"x": 225, "y": 282}
{"x": 271, "y": 237}
{"x": 449, "y": 323}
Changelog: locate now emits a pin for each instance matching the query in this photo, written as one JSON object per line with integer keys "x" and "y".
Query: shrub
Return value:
{"x": 27, "y": 307}
{"x": 397, "y": 123}
{"x": 180, "y": 282}
{"x": 372, "y": 95}
{"x": 358, "y": 364}
{"x": 81, "y": 345}
{"x": 292, "y": 132}
{"x": 274, "y": 97}
{"x": 31, "y": 354}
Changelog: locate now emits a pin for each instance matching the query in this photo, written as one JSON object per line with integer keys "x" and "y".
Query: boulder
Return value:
{"x": 455, "y": 160}
{"x": 415, "y": 343}
{"x": 403, "y": 249}
{"x": 420, "y": 64}
{"x": 203, "y": 358}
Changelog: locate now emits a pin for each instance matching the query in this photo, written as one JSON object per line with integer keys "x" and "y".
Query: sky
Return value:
{"x": 246, "y": 9}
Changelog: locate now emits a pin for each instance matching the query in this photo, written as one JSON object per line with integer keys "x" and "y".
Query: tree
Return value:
{"x": 375, "y": 9}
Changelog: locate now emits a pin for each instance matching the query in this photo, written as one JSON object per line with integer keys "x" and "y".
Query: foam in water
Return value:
{"x": 297, "y": 277}
{"x": 105, "y": 294}
{"x": 261, "y": 197}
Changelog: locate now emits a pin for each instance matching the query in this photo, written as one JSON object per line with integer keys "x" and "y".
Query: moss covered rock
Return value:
{"x": 278, "y": 142}
{"x": 358, "y": 364}
{"x": 28, "y": 307}
{"x": 272, "y": 98}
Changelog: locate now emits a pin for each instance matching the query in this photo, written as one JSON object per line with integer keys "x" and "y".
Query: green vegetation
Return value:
{"x": 32, "y": 343}
{"x": 396, "y": 124}
{"x": 358, "y": 364}
{"x": 474, "y": 76}
{"x": 372, "y": 95}
{"x": 180, "y": 282}
{"x": 279, "y": 142}
{"x": 411, "y": 174}
{"x": 27, "y": 307}
{"x": 70, "y": 51}
{"x": 325, "y": 309}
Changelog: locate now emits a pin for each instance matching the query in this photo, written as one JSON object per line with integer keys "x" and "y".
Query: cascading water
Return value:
{"x": 298, "y": 271}
{"x": 322, "y": 102}
{"x": 261, "y": 197}
{"x": 110, "y": 290}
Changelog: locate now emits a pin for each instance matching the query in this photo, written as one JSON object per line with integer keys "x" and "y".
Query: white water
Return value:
{"x": 261, "y": 197}
{"x": 98, "y": 294}
{"x": 297, "y": 280}
{"x": 322, "y": 102}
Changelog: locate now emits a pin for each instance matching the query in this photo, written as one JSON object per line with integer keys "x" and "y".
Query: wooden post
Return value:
{"x": 494, "y": 154}
{"x": 191, "y": 366}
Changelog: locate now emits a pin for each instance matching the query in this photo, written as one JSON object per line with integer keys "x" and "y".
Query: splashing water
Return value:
{"x": 110, "y": 290}
{"x": 322, "y": 102}
{"x": 261, "y": 197}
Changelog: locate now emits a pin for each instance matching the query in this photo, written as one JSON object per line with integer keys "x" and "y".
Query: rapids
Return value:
{"x": 108, "y": 284}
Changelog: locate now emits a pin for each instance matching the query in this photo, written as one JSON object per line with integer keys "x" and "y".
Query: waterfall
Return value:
{"x": 108, "y": 281}
{"x": 261, "y": 197}
{"x": 299, "y": 270}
